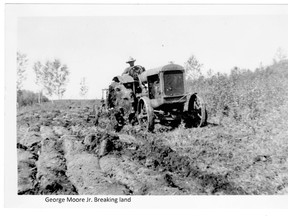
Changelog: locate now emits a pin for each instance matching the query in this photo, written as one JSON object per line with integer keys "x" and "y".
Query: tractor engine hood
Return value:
{"x": 169, "y": 67}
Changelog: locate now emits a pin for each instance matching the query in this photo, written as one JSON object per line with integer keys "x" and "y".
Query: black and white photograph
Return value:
{"x": 116, "y": 102}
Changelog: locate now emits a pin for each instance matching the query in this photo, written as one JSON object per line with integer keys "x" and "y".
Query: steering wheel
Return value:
{"x": 135, "y": 71}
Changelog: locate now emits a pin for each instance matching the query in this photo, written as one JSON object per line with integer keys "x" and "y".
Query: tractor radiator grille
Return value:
{"x": 173, "y": 83}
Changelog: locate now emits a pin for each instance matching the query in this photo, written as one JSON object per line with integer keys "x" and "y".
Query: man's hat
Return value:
{"x": 131, "y": 60}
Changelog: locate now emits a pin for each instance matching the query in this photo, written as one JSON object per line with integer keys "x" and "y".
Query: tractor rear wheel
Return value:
{"x": 145, "y": 115}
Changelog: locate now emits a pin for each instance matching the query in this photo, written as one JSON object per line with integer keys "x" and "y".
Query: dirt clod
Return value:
{"x": 61, "y": 151}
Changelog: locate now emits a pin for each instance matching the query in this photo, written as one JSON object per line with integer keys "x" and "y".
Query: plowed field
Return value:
{"x": 61, "y": 151}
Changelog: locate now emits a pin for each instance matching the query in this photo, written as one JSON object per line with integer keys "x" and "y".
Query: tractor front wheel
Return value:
{"x": 197, "y": 112}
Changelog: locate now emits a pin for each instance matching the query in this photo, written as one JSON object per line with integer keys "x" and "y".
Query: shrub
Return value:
{"x": 243, "y": 94}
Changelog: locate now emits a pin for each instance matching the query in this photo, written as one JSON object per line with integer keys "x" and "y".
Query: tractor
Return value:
{"x": 158, "y": 95}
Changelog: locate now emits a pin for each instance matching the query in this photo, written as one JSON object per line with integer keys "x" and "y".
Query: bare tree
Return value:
{"x": 22, "y": 61}
{"x": 193, "y": 67}
{"x": 210, "y": 72}
{"x": 279, "y": 55}
{"x": 52, "y": 76}
{"x": 83, "y": 87}
{"x": 42, "y": 80}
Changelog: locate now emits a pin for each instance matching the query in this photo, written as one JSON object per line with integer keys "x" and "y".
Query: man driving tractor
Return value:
{"x": 131, "y": 63}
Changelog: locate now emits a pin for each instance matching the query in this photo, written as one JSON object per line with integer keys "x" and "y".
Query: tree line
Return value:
{"x": 51, "y": 76}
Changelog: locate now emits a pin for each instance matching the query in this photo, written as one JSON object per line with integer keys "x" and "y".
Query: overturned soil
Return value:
{"x": 61, "y": 151}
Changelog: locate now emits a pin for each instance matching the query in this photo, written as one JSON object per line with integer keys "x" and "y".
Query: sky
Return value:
{"x": 97, "y": 47}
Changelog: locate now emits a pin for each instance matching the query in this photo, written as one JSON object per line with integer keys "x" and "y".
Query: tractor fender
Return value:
{"x": 188, "y": 98}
